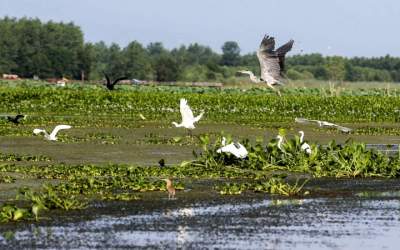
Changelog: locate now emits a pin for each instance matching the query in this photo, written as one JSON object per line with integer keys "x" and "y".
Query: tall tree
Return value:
{"x": 230, "y": 54}
{"x": 137, "y": 61}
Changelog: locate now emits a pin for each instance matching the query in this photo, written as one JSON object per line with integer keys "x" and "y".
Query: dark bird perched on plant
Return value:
{"x": 272, "y": 62}
{"x": 161, "y": 163}
{"x": 110, "y": 85}
{"x": 16, "y": 119}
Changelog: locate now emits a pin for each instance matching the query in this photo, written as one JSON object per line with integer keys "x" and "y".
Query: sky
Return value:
{"x": 331, "y": 27}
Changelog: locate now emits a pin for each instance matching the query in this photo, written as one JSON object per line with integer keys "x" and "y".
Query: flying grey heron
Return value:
{"x": 272, "y": 62}
{"x": 324, "y": 124}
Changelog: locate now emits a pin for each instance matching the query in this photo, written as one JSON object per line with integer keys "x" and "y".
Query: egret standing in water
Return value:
{"x": 52, "y": 136}
{"x": 234, "y": 148}
{"x": 188, "y": 119}
{"x": 272, "y": 62}
{"x": 170, "y": 189}
{"x": 280, "y": 141}
{"x": 304, "y": 145}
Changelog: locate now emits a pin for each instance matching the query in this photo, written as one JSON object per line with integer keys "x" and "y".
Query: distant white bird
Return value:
{"x": 188, "y": 119}
{"x": 304, "y": 145}
{"x": 234, "y": 148}
{"x": 142, "y": 117}
{"x": 272, "y": 62}
{"x": 52, "y": 136}
{"x": 324, "y": 124}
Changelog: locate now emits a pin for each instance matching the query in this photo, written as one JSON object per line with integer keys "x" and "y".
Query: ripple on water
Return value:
{"x": 339, "y": 223}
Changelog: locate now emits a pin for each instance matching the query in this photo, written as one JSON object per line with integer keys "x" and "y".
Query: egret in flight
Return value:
{"x": 324, "y": 124}
{"x": 188, "y": 119}
{"x": 52, "y": 136}
{"x": 304, "y": 145}
{"x": 235, "y": 148}
{"x": 272, "y": 62}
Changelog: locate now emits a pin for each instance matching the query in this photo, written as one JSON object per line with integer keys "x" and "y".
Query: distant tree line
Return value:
{"x": 29, "y": 47}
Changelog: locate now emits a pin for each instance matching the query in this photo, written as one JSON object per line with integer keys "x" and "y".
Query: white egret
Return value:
{"x": 188, "y": 119}
{"x": 324, "y": 124}
{"x": 272, "y": 62}
{"x": 52, "y": 136}
{"x": 235, "y": 148}
{"x": 142, "y": 117}
{"x": 280, "y": 141}
{"x": 304, "y": 145}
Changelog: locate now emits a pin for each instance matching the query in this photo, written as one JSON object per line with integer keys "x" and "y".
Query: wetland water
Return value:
{"x": 352, "y": 217}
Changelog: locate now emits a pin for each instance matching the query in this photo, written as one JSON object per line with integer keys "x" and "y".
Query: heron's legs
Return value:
{"x": 274, "y": 89}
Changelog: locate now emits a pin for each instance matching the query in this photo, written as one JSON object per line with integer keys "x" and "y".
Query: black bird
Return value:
{"x": 161, "y": 163}
{"x": 16, "y": 119}
{"x": 110, "y": 85}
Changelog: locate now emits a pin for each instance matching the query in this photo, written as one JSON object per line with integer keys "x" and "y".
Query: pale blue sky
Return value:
{"x": 341, "y": 27}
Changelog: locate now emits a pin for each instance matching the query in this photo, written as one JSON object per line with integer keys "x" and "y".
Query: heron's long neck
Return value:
{"x": 280, "y": 143}
{"x": 301, "y": 137}
{"x": 177, "y": 125}
{"x": 254, "y": 78}
{"x": 169, "y": 184}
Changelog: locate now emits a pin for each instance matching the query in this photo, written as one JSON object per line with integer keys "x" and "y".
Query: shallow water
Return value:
{"x": 257, "y": 223}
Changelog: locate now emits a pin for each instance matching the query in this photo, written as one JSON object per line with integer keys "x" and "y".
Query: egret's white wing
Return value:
{"x": 197, "y": 118}
{"x": 239, "y": 152}
{"x": 186, "y": 112}
{"x": 37, "y": 131}
{"x": 305, "y": 147}
{"x": 58, "y": 128}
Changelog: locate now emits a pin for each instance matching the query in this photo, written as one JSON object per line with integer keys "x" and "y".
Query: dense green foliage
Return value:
{"x": 29, "y": 47}
{"x": 334, "y": 160}
{"x": 89, "y": 104}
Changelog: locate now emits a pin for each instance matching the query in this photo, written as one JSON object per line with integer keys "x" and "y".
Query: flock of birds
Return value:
{"x": 271, "y": 67}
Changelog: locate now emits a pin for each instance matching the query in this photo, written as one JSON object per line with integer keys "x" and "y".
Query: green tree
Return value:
{"x": 166, "y": 69}
{"x": 230, "y": 54}
{"x": 137, "y": 61}
{"x": 335, "y": 67}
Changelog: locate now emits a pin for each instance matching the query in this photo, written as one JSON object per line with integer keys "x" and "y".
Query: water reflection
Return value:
{"x": 341, "y": 223}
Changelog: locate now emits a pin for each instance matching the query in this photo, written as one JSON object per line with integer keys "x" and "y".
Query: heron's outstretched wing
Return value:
{"x": 304, "y": 120}
{"x": 281, "y": 51}
{"x": 58, "y": 128}
{"x": 269, "y": 60}
{"x": 186, "y": 111}
{"x": 341, "y": 128}
{"x": 119, "y": 79}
